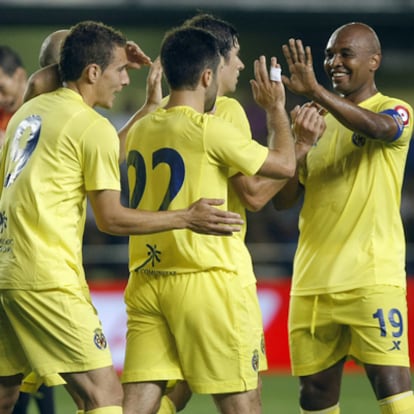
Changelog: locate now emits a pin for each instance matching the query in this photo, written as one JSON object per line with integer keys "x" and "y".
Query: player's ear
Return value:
{"x": 374, "y": 62}
{"x": 93, "y": 72}
{"x": 206, "y": 78}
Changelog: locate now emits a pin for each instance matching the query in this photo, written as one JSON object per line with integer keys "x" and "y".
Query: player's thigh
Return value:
{"x": 12, "y": 357}
{"x": 150, "y": 353}
{"x": 254, "y": 324}
{"x": 60, "y": 330}
{"x": 209, "y": 315}
{"x": 388, "y": 380}
{"x": 316, "y": 339}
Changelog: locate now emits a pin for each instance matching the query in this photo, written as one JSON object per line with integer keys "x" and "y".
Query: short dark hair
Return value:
{"x": 226, "y": 34}
{"x": 185, "y": 53}
{"x": 9, "y": 60}
{"x": 88, "y": 42}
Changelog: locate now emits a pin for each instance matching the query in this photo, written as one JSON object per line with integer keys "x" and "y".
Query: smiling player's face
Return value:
{"x": 350, "y": 62}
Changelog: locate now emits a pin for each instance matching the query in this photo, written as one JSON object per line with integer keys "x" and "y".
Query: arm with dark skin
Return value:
{"x": 302, "y": 81}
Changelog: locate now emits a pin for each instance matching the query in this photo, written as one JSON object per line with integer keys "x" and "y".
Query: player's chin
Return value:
{"x": 109, "y": 103}
{"x": 233, "y": 87}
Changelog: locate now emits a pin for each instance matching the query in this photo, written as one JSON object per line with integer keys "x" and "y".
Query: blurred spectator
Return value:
{"x": 13, "y": 79}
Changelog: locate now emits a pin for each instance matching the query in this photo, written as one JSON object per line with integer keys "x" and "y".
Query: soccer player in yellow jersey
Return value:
{"x": 59, "y": 151}
{"x": 251, "y": 192}
{"x": 188, "y": 309}
{"x": 348, "y": 297}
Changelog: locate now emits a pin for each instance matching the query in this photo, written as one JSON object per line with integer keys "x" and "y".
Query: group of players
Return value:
{"x": 194, "y": 322}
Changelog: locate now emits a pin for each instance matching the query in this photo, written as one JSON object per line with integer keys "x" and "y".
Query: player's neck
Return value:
{"x": 186, "y": 98}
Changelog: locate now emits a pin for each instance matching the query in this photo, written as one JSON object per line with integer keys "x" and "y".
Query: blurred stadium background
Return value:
{"x": 264, "y": 25}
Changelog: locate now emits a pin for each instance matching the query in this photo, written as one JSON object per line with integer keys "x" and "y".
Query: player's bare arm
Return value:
{"x": 201, "y": 217}
{"x": 152, "y": 101}
{"x": 302, "y": 81}
{"x": 270, "y": 95}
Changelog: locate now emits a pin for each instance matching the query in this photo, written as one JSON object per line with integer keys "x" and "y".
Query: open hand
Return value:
{"x": 154, "y": 87}
{"x": 266, "y": 92}
{"x": 136, "y": 57}
{"x": 204, "y": 218}
{"x": 302, "y": 79}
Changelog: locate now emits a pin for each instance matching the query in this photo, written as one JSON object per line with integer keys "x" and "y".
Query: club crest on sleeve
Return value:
{"x": 99, "y": 339}
{"x": 404, "y": 114}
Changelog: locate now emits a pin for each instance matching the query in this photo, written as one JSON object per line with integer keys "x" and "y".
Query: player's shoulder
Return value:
{"x": 403, "y": 108}
{"x": 391, "y": 102}
{"x": 226, "y": 102}
{"x": 383, "y": 103}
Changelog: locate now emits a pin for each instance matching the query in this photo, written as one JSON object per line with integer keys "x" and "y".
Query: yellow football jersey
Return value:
{"x": 175, "y": 157}
{"x": 351, "y": 232}
{"x": 57, "y": 148}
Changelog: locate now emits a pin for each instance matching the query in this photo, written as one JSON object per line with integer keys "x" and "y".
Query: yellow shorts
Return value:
{"x": 32, "y": 382}
{"x": 50, "y": 332}
{"x": 366, "y": 324}
{"x": 199, "y": 327}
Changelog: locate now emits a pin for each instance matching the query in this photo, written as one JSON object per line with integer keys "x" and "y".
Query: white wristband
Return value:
{"x": 275, "y": 74}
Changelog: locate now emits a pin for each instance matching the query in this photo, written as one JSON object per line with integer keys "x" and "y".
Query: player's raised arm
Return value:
{"x": 152, "y": 101}
{"x": 270, "y": 95}
{"x": 302, "y": 81}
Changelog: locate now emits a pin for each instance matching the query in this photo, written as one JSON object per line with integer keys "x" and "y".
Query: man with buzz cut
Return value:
{"x": 50, "y": 48}
{"x": 348, "y": 296}
{"x": 47, "y": 79}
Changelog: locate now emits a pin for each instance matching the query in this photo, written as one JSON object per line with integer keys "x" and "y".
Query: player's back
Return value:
{"x": 175, "y": 157}
{"x": 43, "y": 194}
